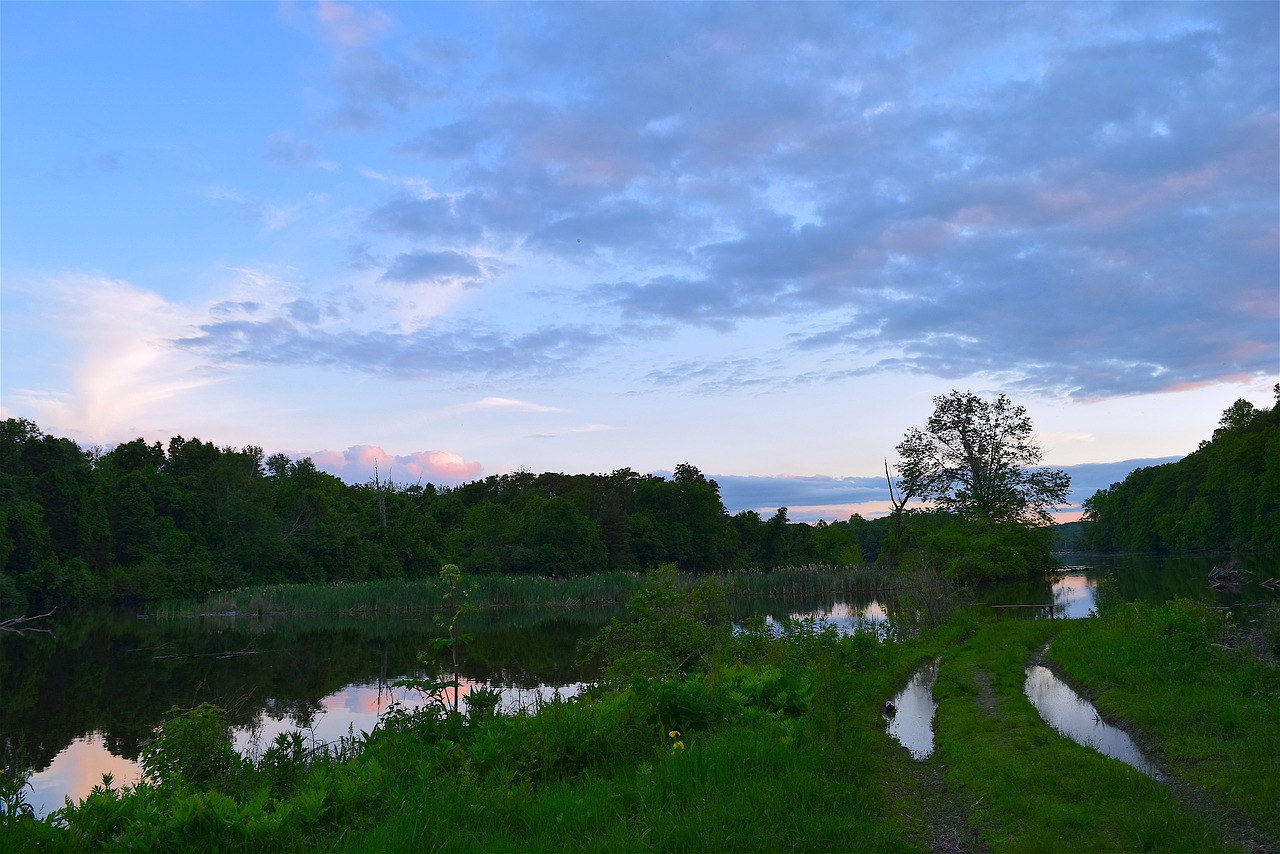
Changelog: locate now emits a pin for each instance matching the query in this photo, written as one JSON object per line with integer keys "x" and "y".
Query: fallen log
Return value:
{"x": 18, "y": 625}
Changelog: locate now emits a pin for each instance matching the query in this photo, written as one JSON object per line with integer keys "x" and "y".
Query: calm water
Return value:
{"x": 1077, "y": 719}
{"x": 911, "y": 722}
{"x": 79, "y": 703}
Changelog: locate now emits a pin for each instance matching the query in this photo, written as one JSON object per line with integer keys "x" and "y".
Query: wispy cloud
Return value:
{"x": 507, "y": 403}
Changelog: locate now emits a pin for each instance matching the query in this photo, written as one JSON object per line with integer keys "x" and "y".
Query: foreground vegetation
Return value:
{"x": 705, "y": 738}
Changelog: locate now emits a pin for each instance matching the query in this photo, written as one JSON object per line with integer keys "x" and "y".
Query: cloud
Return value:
{"x": 1075, "y": 199}
{"x": 448, "y": 267}
{"x": 283, "y": 150}
{"x": 415, "y": 354}
{"x": 815, "y": 497}
{"x": 359, "y": 463}
{"x": 572, "y": 431}
{"x": 765, "y": 495}
{"x": 368, "y": 83}
{"x": 351, "y": 26}
{"x": 505, "y": 403}
{"x": 122, "y": 359}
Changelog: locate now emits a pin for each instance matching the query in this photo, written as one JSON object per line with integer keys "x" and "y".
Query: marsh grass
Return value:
{"x": 413, "y": 596}
{"x": 781, "y": 746}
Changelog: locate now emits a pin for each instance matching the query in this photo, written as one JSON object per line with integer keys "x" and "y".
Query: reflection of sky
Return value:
{"x": 75, "y": 771}
{"x": 1075, "y": 595}
{"x": 845, "y": 617}
{"x": 912, "y": 723}
{"x": 1077, "y": 719}
{"x": 353, "y": 710}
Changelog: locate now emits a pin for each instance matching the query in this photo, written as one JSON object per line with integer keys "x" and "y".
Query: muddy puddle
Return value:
{"x": 1077, "y": 719}
{"x": 911, "y": 715}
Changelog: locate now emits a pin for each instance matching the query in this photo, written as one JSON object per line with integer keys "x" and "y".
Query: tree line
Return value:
{"x": 1223, "y": 496}
{"x": 147, "y": 521}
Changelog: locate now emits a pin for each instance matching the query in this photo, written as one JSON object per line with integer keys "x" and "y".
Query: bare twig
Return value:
{"x": 18, "y": 625}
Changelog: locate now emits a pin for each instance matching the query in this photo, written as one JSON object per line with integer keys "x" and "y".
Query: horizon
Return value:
{"x": 469, "y": 239}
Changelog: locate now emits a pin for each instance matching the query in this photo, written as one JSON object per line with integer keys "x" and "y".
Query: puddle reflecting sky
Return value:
{"x": 1077, "y": 719}
{"x": 912, "y": 724}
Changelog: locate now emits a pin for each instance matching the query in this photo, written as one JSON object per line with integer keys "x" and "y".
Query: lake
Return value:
{"x": 78, "y": 703}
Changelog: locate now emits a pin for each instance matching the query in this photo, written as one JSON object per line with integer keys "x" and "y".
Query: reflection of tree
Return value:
{"x": 110, "y": 672}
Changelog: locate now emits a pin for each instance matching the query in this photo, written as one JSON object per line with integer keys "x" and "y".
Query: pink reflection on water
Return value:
{"x": 75, "y": 771}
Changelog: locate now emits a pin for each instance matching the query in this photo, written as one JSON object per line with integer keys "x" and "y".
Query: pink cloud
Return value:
{"x": 360, "y": 463}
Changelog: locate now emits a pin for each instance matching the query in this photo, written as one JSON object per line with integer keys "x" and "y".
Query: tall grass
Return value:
{"x": 407, "y": 596}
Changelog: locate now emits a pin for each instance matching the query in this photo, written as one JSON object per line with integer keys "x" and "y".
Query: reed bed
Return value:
{"x": 410, "y": 596}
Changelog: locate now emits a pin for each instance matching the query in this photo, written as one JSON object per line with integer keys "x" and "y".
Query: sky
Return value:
{"x": 459, "y": 240}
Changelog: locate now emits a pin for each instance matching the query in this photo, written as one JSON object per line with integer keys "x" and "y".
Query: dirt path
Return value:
{"x": 939, "y": 818}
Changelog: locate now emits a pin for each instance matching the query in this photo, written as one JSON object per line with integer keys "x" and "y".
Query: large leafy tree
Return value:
{"x": 976, "y": 458}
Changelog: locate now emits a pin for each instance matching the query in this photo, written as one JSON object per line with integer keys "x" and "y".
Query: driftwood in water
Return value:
{"x": 19, "y": 625}
{"x": 1227, "y": 573}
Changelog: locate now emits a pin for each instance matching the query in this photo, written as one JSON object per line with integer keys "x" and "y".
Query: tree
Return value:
{"x": 975, "y": 458}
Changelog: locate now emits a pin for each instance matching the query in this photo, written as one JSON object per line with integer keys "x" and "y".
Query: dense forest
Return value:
{"x": 142, "y": 521}
{"x": 1225, "y": 495}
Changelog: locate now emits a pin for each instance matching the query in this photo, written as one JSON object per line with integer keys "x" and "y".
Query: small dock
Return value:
{"x": 1000, "y": 609}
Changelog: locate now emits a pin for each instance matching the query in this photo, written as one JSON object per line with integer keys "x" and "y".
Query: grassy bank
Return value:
{"x": 756, "y": 740}
{"x": 1211, "y": 711}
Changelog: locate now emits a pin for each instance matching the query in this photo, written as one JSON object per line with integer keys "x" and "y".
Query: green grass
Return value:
{"x": 1033, "y": 789}
{"x": 1213, "y": 713}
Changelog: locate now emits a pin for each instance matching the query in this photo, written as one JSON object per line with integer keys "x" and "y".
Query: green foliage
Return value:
{"x": 780, "y": 739}
{"x": 971, "y": 551}
{"x": 143, "y": 521}
{"x": 1214, "y": 711}
{"x": 975, "y": 458}
{"x": 670, "y": 632}
{"x": 193, "y": 748}
{"x": 14, "y": 783}
{"x": 1225, "y": 495}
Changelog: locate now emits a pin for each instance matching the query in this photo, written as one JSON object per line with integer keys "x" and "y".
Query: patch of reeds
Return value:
{"x": 409, "y": 596}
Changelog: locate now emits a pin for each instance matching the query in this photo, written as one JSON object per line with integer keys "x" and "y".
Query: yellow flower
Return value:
{"x": 675, "y": 733}
{"x": 679, "y": 745}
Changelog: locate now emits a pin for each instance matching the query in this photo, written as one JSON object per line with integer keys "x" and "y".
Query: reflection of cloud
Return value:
{"x": 76, "y": 770}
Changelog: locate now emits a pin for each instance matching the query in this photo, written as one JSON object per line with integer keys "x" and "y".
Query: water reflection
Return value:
{"x": 911, "y": 719}
{"x": 351, "y": 711}
{"x": 74, "y": 773}
{"x": 846, "y": 617}
{"x": 1075, "y": 595}
{"x": 1077, "y": 719}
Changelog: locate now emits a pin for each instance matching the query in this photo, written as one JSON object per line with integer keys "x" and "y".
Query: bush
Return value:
{"x": 975, "y": 551}
{"x": 193, "y": 748}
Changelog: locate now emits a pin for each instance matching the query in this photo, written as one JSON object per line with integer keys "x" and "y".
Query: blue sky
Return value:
{"x": 462, "y": 240}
